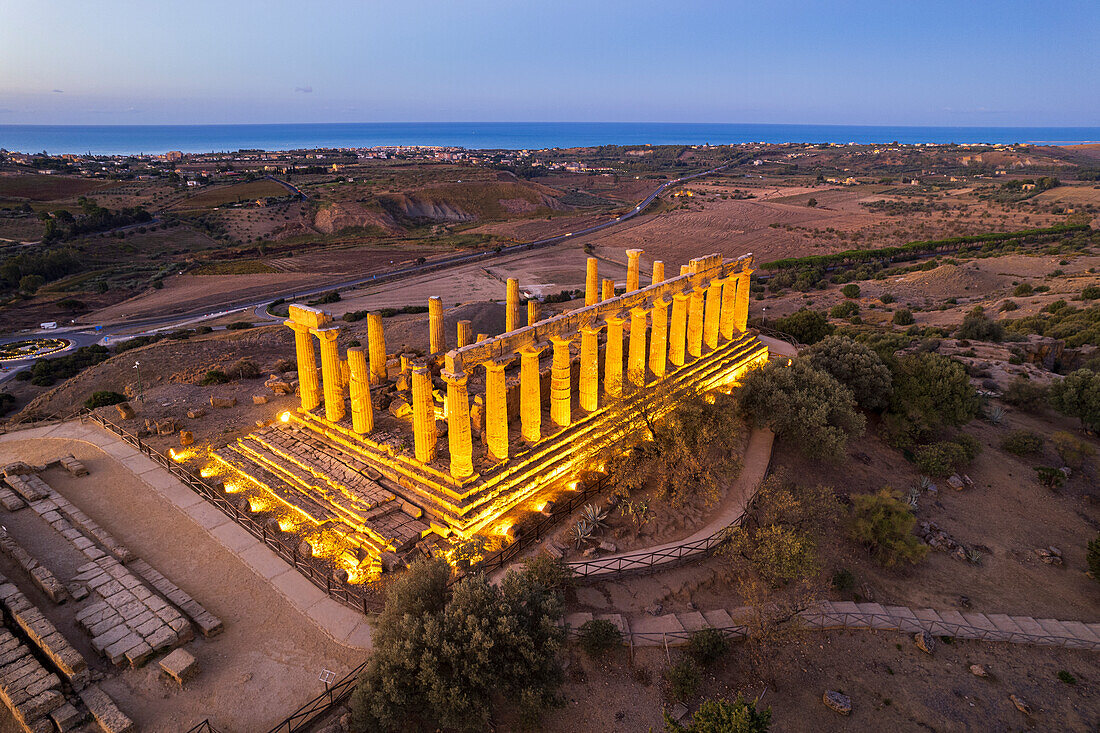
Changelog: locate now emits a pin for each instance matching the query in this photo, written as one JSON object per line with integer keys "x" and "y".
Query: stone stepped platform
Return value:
{"x": 40, "y": 575}
{"x": 30, "y": 691}
{"x": 208, "y": 623}
{"x": 41, "y": 631}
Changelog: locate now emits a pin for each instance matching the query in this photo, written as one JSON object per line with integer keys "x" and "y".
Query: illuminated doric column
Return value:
{"x": 741, "y": 312}
{"x": 658, "y": 338}
{"x": 592, "y": 282}
{"x": 530, "y": 393}
{"x": 635, "y": 360}
{"x": 424, "y": 433}
{"x": 590, "y": 368}
{"x": 608, "y": 289}
{"x": 613, "y": 357}
{"x": 496, "y": 409}
{"x": 362, "y": 412}
{"x": 437, "y": 342}
{"x": 534, "y": 312}
{"x": 695, "y": 323}
{"x": 511, "y": 306}
{"x": 561, "y": 388}
{"x": 304, "y": 351}
{"x": 463, "y": 334}
{"x": 677, "y": 332}
{"x": 633, "y": 272}
{"x": 376, "y": 348}
{"x": 458, "y": 421}
{"x": 711, "y": 314}
{"x": 330, "y": 373}
{"x": 727, "y": 321}
{"x": 658, "y": 272}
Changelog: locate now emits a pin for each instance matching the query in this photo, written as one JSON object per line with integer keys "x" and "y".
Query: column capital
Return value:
{"x": 534, "y": 349}
{"x": 595, "y": 327}
{"x": 499, "y": 363}
{"x": 328, "y": 333}
{"x": 683, "y": 294}
{"x": 458, "y": 378}
{"x": 615, "y": 319}
{"x": 661, "y": 302}
{"x": 747, "y": 271}
{"x": 558, "y": 339}
{"x": 640, "y": 310}
{"x": 298, "y": 327}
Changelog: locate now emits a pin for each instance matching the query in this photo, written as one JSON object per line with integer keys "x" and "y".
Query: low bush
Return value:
{"x": 238, "y": 326}
{"x": 1022, "y": 290}
{"x": 844, "y": 310}
{"x": 941, "y": 459}
{"x": 1026, "y": 394}
{"x": 1072, "y": 451}
{"x": 1050, "y": 477}
{"x": 244, "y": 369}
{"x": 903, "y": 317}
{"x": 723, "y": 716}
{"x": 884, "y": 524}
{"x": 707, "y": 646}
{"x": 886, "y": 298}
{"x": 1022, "y": 443}
{"x": 214, "y": 376}
{"x": 102, "y": 398}
{"x": 805, "y": 325}
{"x": 1092, "y": 557}
{"x": 683, "y": 679}
{"x": 851, "y": 290}
{"x": 599, "y": 636}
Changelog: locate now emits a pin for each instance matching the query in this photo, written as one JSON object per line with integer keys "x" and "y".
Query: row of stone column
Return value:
{"x": 699, "y": 320}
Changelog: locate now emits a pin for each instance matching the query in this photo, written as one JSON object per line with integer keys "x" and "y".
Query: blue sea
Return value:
{"x": 155, "y": 139}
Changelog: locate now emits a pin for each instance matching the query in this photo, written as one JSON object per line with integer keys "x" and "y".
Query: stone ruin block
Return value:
{"x": 73, "y": 466}
{"x": 180, "y": 666}
{"x": 125, "y": 412}
{"x": 223, "y": 402}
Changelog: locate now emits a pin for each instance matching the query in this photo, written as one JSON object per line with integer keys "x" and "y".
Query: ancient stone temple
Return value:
{"x": 387, "y": 449}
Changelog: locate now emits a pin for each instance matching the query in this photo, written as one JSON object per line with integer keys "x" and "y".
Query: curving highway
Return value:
{"x": 86, "y": 336}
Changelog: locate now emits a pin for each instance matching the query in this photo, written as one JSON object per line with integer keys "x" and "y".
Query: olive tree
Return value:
{"x": 803, "y": 405}
{"x": 856, "y": 366}
{"x": 1078, "y": 395}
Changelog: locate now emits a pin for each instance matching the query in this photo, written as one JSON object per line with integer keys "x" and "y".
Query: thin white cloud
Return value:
{"x": 304, "y": 90}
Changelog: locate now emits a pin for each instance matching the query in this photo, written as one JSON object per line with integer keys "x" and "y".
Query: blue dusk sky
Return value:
{"x": 968, "y": 62}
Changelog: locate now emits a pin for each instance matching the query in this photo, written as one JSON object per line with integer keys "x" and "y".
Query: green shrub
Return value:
{"x": 856, "y": 366}
{"x": 805, "y": 325}
{"x": 1050, "y": 477}
{"x": 1022, "y": 443}
{"x": 844, "y": 580}
{"x": 103, "y": 398}
{"x": 886, "y": 298}
{"x": 1078, "y": 395}
{"x": 238, "y": 326}
{"x": 884, "y": 524}
{"x": 1066, "y": 677}
{"x": 214, "y": 376}
{"x": 844, "y": 310}
{"x": 1026, "y": 394}
{"x": 723, "y": 716}
{"x": 683, "y": 679}
{"x": 980, "y": 327}
{"x": 1023, "y": 290}
{"x": 940, "y": 460}
{"x": 1009, "y": 305}
{"x": 707, "y": 646}
{"x": 934, "y": 390}
{"x": 1092, "y": 557}
{"x": 599, "y": 636}
{"x": 1091, "y": 292}
{"x": 903, "y": 317}
{"x": 851, "y": 290}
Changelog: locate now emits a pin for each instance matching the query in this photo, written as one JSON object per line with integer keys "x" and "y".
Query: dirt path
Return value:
{"x": 269, "y": 651}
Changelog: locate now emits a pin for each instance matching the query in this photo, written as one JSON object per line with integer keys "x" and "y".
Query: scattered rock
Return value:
{"x": 979, "y": 671}
{"x": 1022, "y": 706}
{"x": 259, "y": 399}
{"x": 125, "y": 412}
{"x": 837, "y": 702}
{"x": 964, "y": 602}
{"x": 608, "y": 546}
{"x": 925, "y": 642}
{"x": 186, "y": 437}
{"x": 955, "y": 481}
{"x": 73, "y": 466}
{"x": 196, "y": 413}
{"x": 400, "y": 408}
{"x": 1050, "y": 555}
{"x": 223, "y": 402}
{"x": 679, "y": 712}
{"x": 553, "y": 550}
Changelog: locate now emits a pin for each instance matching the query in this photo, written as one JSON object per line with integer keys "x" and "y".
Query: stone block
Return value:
{"x": 101, "y": 641}
{"x": 180, "y": 666}
{"x": 105, "y": 712}
{"x": 223, "y": 402}
{"x": 42, "y": 704}
{"x": 259, "y": 399}
{"x": 66, "y": 717}
{"x": 125, "y": 412}
{"x": 186, "y": 437}
{"x": 116, "y": 652}
{"x": 162, "y": 638}
{"x": 139, "y": 655}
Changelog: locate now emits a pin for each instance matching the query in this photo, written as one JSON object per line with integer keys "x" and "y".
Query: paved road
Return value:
{"x": 85, "y": 335}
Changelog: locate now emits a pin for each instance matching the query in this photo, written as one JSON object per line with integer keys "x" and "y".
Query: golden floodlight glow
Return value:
{"x": 502, "y": 528}
{"x": 541, "y": 506}
{"x": 232, "y": 487}
{"x": 285, "y": 416}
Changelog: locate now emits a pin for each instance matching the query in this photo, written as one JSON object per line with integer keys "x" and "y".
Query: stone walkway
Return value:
{"x": 676, "y": 628}
{"x": 343, "y": 624}
{"x": 756, "y": 460}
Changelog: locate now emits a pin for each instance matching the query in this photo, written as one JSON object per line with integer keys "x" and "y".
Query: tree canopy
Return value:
{"x": 1078, "y": 395}
{"x": 443, "y": 655}
{"x": 934, "y": 390}
{"x": 856, "y": 366}
{"x": 801, "y": 404}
